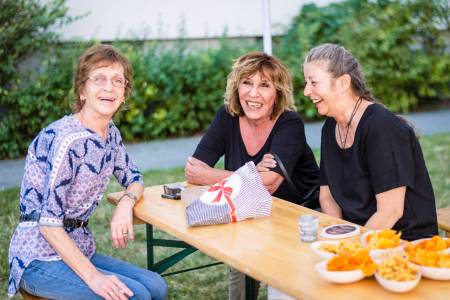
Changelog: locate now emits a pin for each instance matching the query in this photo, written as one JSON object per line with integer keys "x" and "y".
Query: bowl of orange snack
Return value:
{"x": 347, "y": 266}
{"x": 435, "y": 243}
{"x": 380, "y": 240}
{"x": 430, "y": 257}
{"x": 397, "y": 274}
{"x": 328, "y": 249}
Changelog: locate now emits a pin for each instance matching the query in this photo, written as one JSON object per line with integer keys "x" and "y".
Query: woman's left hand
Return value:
{"x": 267, "y": 163}
{"x": 122, "y": 223}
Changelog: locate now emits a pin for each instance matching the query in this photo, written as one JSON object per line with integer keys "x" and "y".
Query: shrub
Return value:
{"x": 402, "y": 45}
{"x": 36, "y": 103}
{"x": 24, "y": 29}
{"x": 176, "y": 90}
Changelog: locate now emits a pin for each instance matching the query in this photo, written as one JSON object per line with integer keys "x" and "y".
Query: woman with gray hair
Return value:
{"x": 372, "y": 171}
{"x": 52, "y": 252}
{"x": 258, "y": 121}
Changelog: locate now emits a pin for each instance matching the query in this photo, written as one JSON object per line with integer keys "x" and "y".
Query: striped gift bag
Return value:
{"x": 238, "y": 197}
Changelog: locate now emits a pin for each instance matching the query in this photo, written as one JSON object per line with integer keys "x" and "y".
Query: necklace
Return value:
{"x": 344, "y": 140}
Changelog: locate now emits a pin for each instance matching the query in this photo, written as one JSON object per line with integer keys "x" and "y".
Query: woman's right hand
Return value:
{"x": 109, "y": 287}
{"x": 267, "y": 163}
{"x": 196, "y": 171}
{"x": 122, "y": 223}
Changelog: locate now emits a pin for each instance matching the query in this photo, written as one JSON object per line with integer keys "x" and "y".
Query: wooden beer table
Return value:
{"x": 267, "y": 249}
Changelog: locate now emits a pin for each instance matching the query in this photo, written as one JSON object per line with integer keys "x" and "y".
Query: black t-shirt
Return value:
{"x": 385, "y": 155}
{"x": 287, "y": 140}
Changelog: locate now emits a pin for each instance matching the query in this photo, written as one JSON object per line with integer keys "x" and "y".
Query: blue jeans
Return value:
{"x": 56, "y": 280}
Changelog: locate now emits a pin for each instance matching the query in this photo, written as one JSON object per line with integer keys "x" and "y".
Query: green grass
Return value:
{"x": 209, "y": 283}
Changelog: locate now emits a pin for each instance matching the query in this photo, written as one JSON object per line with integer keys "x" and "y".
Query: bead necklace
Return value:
{"x": 344, "y": 140}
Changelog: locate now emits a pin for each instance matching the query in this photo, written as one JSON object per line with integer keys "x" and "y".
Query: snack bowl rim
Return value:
{"x": 415, "y": 242}
{"x": 363, "y": 241}
{"x": 435, "y": 273}
{"x": 338, "y": 276}
{"x": 398, "y": 286}
{"x": 323, "y": 254}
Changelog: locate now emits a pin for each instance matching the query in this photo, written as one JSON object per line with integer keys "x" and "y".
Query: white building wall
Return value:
{"x": 162, "y": 19}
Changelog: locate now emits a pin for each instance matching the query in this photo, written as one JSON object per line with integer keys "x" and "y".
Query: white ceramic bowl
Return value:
{"x": 363, "y": 237}
{"x": 376, "y": 252}
{"x": 322, "y": 253}
{"x": 397, "y": 286}
{"x": 338, "y": 276}
{"x": 445, "y": 251}
{"x": 434, "y": 272}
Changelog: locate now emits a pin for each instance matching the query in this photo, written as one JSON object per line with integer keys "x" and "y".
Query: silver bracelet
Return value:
{"x": 130, "y": 195}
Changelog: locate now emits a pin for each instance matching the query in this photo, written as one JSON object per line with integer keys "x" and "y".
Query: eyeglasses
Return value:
{"x": 101, "y": 80}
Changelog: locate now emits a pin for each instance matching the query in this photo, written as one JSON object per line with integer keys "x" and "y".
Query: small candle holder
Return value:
{"x": 309, "y": 225}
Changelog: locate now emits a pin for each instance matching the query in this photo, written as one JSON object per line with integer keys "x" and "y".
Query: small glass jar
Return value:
{"x": 309, "y": 225}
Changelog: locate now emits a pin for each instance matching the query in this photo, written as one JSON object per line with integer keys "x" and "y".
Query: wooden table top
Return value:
{"x": 443, "y": 215}
{"x": 270, "y": 250}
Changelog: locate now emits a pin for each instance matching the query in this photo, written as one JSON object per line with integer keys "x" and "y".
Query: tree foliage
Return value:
{"x": 176, "y": 91}
{"x": 403, "y": 46}
{"x": 25, "y": 29}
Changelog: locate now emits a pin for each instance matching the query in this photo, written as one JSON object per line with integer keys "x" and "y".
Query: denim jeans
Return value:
{"x": 56, "y": 280}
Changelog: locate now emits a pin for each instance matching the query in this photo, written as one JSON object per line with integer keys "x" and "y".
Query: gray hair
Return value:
{"x": 339, "y": 62}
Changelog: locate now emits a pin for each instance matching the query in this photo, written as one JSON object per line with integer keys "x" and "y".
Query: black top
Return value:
{"x": 385, "y": 155}
{"x": 287, "y": 140}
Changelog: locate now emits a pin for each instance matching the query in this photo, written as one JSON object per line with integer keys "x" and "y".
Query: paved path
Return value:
{"x": 173, "y": 152}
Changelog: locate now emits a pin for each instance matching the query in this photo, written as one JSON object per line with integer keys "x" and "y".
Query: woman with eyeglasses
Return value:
{"x": 52, "y": 252}
{"x": 258, "y": 122}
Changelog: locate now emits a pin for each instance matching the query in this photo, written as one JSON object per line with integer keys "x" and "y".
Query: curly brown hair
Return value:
{"x": 270, "y": 66}
{"x": 95, "y": 57}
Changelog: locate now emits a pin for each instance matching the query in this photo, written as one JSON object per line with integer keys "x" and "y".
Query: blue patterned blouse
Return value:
{"x": 67, "y": 171}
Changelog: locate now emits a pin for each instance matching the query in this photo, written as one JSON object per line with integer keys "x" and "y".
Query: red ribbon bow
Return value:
{"x": 225, "y": 191}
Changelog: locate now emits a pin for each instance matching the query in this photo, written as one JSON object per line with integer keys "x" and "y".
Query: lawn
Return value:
{"x": 209, "y": 283}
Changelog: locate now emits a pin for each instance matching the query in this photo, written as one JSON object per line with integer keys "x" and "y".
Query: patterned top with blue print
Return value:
{"x": 67, "y": 170}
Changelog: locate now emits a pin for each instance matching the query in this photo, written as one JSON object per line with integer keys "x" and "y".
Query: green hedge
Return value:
{"x": 402, "y": 45}
{"x": 176, "y": 92}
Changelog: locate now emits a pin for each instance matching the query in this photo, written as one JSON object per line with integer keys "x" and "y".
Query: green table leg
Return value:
{"x": 150, "y": 253}
{"x": 251, "y": 291}
{"x": 168, "y": 262}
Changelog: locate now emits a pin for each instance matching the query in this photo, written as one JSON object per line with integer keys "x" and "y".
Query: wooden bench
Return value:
{"x": 443, "y": 216}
